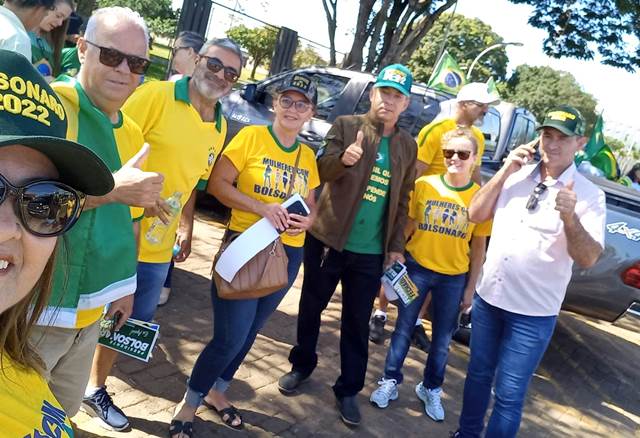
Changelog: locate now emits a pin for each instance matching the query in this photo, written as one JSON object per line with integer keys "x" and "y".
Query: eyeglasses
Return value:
{"x": 215, "y": 65}
{"x": 113, "y": 58}
{"x": 301, "y": 106}
{"x": 45, "y": 208}
{"x": 476, "y": 103}
{"x": 449, "y": 153}
{"x": 538, "y": 190}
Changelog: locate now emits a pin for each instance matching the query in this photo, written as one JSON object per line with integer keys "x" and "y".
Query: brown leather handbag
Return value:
{"x": 263, "y": 274}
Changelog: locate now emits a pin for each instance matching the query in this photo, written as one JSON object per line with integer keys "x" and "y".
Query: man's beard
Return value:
{"x": 209, "y": 91}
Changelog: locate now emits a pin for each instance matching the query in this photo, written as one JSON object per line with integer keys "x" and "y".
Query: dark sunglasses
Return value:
{"x": 301, "y": 106}
{"x": 449, "y": 153}
{"x": 215, "y": 65}
{"x": 45, "y": 208}
{"x": 113, "y": 58}
{"x": 538, "y": 190}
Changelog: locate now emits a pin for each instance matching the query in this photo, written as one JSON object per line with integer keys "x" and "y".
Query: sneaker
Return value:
{"x": 420, "y": 338}
{"x": 431, "y": 399}
{"x": 455, "y": 434}
{"x": 387, "y": 391}
{"x": 101, "y": 405}
{"x": 349, "y": 411}
{"x": 288, "y": 383}
{"x": 164, "y": 296}
{"x": 376, "y": 329}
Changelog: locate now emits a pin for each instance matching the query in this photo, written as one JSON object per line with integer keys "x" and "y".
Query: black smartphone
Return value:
{"x": 297, "y": 208}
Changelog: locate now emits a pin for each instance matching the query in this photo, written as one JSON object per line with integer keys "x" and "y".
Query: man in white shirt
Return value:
{"x": 17, "y": 17}
{"x": 546, "y": 216}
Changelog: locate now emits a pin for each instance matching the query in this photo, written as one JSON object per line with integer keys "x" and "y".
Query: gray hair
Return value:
{"x": 119, "y": 12}
{"x": 227, "y": 44}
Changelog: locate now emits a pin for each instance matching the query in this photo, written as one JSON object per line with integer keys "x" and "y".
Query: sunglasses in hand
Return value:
{"x": 449, "y": 153}
{"x": 113, "y": 58}
{"x": 45, "y": 208}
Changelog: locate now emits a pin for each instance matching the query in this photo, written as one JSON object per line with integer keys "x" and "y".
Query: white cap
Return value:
{"x": 479, "y": 92}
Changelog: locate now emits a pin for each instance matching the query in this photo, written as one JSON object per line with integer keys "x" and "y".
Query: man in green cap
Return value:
{"x": 368, "y": 167}
{"x": 546, "y": 216}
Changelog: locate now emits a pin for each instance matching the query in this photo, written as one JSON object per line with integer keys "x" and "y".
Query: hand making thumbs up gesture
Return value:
{"x": 566, "y": 202}
{"x": 134, "y": 186}
{"x": 353, "y": 153}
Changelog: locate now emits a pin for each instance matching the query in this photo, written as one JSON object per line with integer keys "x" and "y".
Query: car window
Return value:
{"x": 330, "y": 89}
{"x": 519, "y": 133}
{"x": 491, "y": 130}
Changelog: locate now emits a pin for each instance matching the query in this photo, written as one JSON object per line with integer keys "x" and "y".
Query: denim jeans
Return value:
{"x": 446, "y": 294}
{"x": 151, "y": 277}
{"x": 508, "y": 346}
{"x": 235, "y": 326}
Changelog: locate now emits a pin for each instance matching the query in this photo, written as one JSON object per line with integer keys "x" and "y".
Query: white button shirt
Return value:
{"x": 13, "y": 35}
{"x": 528, "y": 265}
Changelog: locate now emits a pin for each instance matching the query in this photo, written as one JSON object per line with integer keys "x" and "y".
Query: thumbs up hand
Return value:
{"x": 353, "y": 153}
{"x": 566, "y": 203}
{"x": 134, "y": 186}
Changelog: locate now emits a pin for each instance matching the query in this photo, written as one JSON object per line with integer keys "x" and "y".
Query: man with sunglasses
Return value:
{"x": 183, "y": 123}
{"x": 546, "y": 216}
{"x": 17, "y": 17}
{"x": 98, "y": 263}
{"x": 368, "y": 167}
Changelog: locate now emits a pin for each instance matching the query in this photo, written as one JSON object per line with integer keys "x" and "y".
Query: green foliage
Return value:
{"x": 467, "y": 38}
{"x": 539, "y": 88}
{"x": 259, "y": 42}
{"x": 615, "y": 144}
{"x": 160, "y": 17}
{"x": 306, "y": 57}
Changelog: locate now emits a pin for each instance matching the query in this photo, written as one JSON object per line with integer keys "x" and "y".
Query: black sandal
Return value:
{"x": 177, "y": 426}
{"x": 231, "y": 413}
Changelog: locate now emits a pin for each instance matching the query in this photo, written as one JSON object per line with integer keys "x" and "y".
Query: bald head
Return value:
{"x": 113, "y": 18}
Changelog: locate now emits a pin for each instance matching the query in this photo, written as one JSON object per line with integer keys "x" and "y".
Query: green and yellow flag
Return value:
{"x": 598, "y": 153}
{"x": 492, "y": 88}
{"x": 447, "y": 76}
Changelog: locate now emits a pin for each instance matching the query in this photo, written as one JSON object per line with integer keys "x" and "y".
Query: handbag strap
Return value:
{"x": 295, "y": 172}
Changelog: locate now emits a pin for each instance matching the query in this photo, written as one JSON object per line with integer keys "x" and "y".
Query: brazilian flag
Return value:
{"x": 598, "y": 153}
{"x": 447, "y": 76}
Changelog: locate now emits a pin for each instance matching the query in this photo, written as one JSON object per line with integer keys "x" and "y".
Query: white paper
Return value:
{"x": 249, "y": 243}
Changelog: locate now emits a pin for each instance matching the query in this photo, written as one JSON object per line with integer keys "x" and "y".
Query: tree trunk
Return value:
{"x": 353, "y": 60}
{"x": 332, "y": 22}
{"x": 256, "y": 62}
{"x": 376, "y": 25}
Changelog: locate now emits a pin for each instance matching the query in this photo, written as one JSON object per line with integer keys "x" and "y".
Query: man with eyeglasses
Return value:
{"x": 183, "y": 123}
{"x": 546, "y": 216}
{"x": 17, "y": 17}
{"x": 97, "y": 264}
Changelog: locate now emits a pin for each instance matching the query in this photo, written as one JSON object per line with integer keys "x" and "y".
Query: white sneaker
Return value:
{"x": 387, "y": 391}
{"x": 164, "y": 296}
{"x": 431, "y": 399}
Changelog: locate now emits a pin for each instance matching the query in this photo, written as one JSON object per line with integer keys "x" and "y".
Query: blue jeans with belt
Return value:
{"x": 446, "y": 294}
{"x": 235, "y": 326}
{"x": 509, "y": 347}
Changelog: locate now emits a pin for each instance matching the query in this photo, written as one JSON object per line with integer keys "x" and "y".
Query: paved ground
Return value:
{"x": 587, "y": 385}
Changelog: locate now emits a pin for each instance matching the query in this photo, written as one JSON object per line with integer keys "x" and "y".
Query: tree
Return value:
{"x": 159, "y": 15}
{"x": 306, "y": 57}
{"x": 466, "y": 39}
{"x": 331, "y": 11}
{"x": 259, "y": 42}
{"x": 539, "y": 88}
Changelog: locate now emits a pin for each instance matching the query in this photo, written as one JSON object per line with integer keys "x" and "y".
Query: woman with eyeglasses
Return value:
{"x": 43, "y": 181}
{"x": 47, "y": 40}
{"x": 445, "y": 253}
{"x": 261, "y": 159}
{"x": 185, "y": 54}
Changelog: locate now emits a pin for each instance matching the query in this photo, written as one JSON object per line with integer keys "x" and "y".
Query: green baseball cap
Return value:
{"x": 395, "y": 76}
{"x": 565, "y": 119}
{"x": 32, "y": 115}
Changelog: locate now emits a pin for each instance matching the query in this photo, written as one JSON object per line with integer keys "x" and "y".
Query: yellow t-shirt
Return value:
{"x": 441, "y": 240}
{"x": 183, "y": 149}
{"x": 28, "y": 409}
{"x": 264, "y": 173}
{"x": 430, "y": 145}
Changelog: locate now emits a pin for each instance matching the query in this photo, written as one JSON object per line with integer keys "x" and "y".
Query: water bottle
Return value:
{"x": 157, "y": 230}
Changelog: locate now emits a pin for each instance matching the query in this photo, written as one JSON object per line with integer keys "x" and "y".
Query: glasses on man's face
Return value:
{"x": 301, "y": 106}
{"x": 45, "y": 208}
{"x": 449, "y": 153}
{"x": 538, "y": 190}
{"x": 215, "y": 65}
{"x": 113, "y": 58}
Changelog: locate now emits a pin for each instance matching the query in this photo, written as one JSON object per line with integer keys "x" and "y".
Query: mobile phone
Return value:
{"x": 297, "y": 208}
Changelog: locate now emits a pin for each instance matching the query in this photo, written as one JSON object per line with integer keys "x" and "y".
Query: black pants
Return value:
{"x": 360, "y": 276}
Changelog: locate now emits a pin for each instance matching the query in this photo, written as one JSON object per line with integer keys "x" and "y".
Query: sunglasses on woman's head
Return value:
{"x": 113, "y": 58}
{"x": 215, "y": 65}
{"x": 449, "y": 153}
{"x": 45, "y": 208}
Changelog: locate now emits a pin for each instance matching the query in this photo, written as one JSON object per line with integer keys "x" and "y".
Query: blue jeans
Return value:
{"x": 151, "y": 277}
{"x": 508, "y": 346}
{"x": 235, "y": 326}
{"x": 446, "y": 294}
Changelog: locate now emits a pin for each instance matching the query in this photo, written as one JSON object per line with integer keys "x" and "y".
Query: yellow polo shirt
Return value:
{"x": 430, "y": 145}
{"x": 183, "y": 149}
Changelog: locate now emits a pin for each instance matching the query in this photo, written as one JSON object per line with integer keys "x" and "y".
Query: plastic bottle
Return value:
{"x": 156, "y": 232}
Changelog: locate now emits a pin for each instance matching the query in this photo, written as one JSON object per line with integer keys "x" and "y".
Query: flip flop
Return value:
{"x": 231, "y": 413}
{"x": 177, "y": 426}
